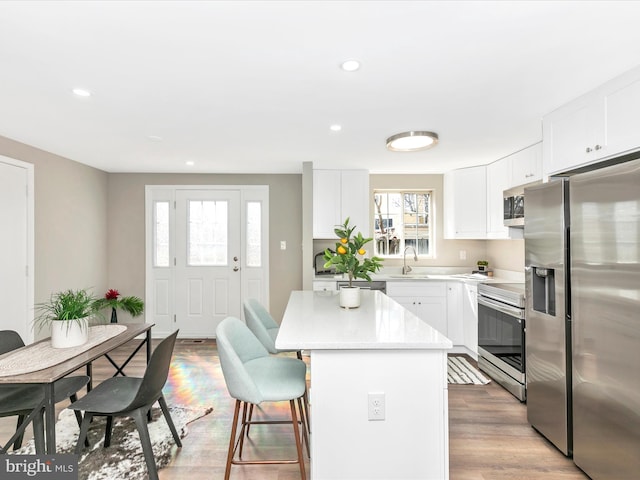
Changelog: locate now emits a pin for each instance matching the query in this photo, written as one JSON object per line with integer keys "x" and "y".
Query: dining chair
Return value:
{"x": 252, "y": 377}
{"x": 131, "y": 397}
{"x": 23, "y": 399}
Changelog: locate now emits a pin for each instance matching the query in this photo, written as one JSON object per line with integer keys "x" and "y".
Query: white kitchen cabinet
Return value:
{"x": 455, "y": 327}
{"x": 526, "y": 165}
{"x": 465, "y": 203}
{"x": 470, "y": 317}
{"x": 498, "y": 180}
{"x": 427, "y": 300}
{"x": 338, "y": 194}
{"x": 599, "y": 125}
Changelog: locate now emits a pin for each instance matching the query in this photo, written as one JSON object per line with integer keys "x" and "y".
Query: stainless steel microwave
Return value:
{"x": 513, "y": 210}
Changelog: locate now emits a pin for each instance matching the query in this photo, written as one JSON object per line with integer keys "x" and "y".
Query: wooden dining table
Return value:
{"x": 41, "y": 371}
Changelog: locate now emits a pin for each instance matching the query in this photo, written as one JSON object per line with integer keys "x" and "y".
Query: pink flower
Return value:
{"x": 112, "y": 294}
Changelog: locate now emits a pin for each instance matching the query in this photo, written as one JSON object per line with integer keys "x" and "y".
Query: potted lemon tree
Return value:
{"x": 349, "y": 258}
{"x": 67, "y": 313}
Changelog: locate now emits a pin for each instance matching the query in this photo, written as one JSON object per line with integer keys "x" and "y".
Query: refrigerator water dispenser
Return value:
{"x": 543, "y": 290}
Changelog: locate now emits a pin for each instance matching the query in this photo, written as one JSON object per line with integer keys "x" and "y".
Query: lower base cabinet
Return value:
{"x": 449, "y": 307}
{"x": 427, "y": 300}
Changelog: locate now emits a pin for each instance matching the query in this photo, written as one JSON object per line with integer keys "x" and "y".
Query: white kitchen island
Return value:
{"x": 379, "y": 350}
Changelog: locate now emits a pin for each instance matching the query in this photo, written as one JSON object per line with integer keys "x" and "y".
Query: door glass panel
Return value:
{"x": 208, "y": 233}
{"x": 161, "y": 234}
{"x": 254, "y": 237}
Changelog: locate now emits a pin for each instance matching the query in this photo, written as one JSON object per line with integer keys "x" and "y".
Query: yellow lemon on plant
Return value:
{"x": 362, "y": 251}
{"x": 342, "y": 250}
{"x": 344, "y": 240}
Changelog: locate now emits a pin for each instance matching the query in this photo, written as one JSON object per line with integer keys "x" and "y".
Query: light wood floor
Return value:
{"x": 488, "y": 431}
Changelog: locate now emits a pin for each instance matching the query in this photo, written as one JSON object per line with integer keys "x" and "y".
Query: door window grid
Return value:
{"x": 208, "y": 232}
{"x": 161, "y": 234}
{"x": 402, "y": 220}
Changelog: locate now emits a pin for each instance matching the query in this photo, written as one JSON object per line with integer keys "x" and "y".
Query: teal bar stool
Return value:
{"x": 265, "y": 328}
{"x": 252, "y": 377}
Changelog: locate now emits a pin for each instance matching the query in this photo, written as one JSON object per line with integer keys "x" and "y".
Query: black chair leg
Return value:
{"x": 140, "y": 417}
{"x": 107, "y": 431}
{"x": 84, "y": 429}
{"x": 167, "y": 417}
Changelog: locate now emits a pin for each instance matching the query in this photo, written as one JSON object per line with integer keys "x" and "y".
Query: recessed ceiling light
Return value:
{"x": 350, "y": 65}
{"x": 155, "y": 138}
{"x": 412, "y": 141}
{"x": 190, "y": 163}
{"x": 81, "y": 92}
{"x": 335, "y": 128}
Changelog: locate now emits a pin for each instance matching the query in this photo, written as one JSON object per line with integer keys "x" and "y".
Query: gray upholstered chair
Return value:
{"x": 131, "y": 397}
{"x": 23, "y": 399}
{"x": 252, "y": 377}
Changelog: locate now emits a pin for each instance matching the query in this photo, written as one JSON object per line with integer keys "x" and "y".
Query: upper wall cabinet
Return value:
{"x": 499, "y": 176}
{"x": 465, "y": 203}
{"x": 338, "y": 194}
{"x": 526, "y": 165}
{"x": 599, "y": 125}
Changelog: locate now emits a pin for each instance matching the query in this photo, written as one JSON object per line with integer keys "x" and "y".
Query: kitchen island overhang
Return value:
{"x": 379, "y": 350}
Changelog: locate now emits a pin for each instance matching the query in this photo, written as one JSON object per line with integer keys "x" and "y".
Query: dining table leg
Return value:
{"x": 50, "y": 418}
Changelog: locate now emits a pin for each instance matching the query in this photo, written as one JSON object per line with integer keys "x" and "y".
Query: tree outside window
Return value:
{"x": 402, "y": 219}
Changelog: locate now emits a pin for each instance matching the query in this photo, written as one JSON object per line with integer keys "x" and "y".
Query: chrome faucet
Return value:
{"x": 406, "y": 269}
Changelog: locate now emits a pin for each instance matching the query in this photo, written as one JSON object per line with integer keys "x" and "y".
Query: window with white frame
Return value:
{"x": 403, "y": 219}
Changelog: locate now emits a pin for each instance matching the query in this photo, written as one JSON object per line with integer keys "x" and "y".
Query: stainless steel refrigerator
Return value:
{"x": 548, "y": 336}
{"x": 583, "y": 355}
{"x": 605, "y": 298}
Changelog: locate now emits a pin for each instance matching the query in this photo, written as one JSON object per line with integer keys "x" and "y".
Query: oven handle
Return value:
{"x": 501, "y": 307}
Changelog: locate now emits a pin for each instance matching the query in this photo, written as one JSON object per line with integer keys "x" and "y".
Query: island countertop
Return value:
{"x": 315, "y": 321}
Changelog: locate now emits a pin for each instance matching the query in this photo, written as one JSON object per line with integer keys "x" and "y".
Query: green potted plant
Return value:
{"x": 349, "y": 258}
{"x": 67, "y": 313}
{"x": 482, "y": 265}
{"x": 112, "y": 299}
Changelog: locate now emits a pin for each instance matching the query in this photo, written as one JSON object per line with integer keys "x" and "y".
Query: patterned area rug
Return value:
{"x": 124, "y": 458}
{"x": 461, "y": 372}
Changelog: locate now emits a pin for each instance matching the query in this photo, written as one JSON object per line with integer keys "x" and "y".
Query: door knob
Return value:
{"x": 235, "y": 259}
{"x": 235, "y": 269}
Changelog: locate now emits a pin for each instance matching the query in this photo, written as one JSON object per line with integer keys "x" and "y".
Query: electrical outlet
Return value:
{"x": 463, "y": 254}
{"x": 283, "y": 244}
{"x": 376, "y": 406}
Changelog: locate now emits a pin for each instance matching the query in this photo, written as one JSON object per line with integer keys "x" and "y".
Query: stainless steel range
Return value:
{"x": 501, "y": 330}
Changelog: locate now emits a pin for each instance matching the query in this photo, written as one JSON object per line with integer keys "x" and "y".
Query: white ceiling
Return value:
{"x": 252, "y": 87}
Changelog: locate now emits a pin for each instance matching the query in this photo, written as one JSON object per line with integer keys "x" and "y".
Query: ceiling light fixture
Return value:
{"x": 350, "y": 65}
{"x": 335, "y": 128}
{"x": 81, "y": 92}
{"x": 411, "y": 141}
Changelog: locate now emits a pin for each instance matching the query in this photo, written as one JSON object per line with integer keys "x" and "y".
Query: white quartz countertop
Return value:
{"x": 315, "y": 321}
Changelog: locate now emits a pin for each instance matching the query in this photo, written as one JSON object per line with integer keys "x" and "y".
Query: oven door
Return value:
{"x": 501, "y": 329}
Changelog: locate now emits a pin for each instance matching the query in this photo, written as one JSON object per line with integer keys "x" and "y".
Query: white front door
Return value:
{"x": 207, "y": 270}
{"x": 207, "y": 252}
{"x": 16, "y": 245}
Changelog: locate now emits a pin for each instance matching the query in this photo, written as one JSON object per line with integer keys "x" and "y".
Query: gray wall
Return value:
{"x": 70, "y": 221}
{"x": 126, "y": 228}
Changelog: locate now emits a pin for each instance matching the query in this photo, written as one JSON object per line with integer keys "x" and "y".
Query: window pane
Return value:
{"x": 402, "y": 220}
{"x": 161, "y": 234}
{"x": 207, "y": 233}
{"x": 254, "y": 237}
